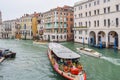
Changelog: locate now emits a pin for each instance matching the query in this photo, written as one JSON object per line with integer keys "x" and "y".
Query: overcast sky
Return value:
{"x": 12, "y": 9}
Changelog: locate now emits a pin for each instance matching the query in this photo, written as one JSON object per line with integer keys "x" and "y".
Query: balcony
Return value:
{"x": 80, "y": 27}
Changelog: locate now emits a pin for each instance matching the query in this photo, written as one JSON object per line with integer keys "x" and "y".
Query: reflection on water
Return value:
{"x": 32, "y": 63}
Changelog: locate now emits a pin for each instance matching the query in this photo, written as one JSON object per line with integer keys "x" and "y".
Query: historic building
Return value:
{"x": 26, "y": 26}
{"x": 56, "y": 23}
{"x": 97, "y": 22}
{"x": 8, "y": 29}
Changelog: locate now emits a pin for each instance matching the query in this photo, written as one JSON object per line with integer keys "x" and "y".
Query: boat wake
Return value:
{"x": 112, "y": 60}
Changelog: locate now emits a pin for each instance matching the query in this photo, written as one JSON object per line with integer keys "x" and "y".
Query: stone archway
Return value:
{"x": 92, "y": 39}
{"x": 101, "y": 39}
{"x": 113, "y": 39}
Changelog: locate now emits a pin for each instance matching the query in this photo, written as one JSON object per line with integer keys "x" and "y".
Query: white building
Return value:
{"x": 8, "y": 29}
{"x": 97, "y": 21}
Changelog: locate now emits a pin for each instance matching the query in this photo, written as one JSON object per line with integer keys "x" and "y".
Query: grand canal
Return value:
{"x": 31, "y": 63}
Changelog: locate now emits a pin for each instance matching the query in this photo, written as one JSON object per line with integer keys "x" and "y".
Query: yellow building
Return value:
{"x": 26, "y": 26}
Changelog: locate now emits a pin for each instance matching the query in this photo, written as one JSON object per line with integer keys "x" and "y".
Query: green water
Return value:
{"x": 31, "y": 63}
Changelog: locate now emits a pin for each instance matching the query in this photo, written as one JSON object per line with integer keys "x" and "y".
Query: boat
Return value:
{"x": 2, "y": 59}
{"x": 89, "y": 52}
{"x": 40, "y": 42}
{"x": 7, "y": 53}
{"x": 66, "y": 62}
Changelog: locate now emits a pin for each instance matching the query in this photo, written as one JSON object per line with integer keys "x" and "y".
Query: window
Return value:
{"x": 94, "y": 3}
{"x": 117, "y": 22}
{"x": 86, "y": 5}
{"x": 117, "y": 7}
{"x": 71, "y": 19}
{"x": 75, "y": 24}
{"x": 108, "y": 9}
{"x": 79, "y": 15}
{"x": 89, "y": 4}
{"x": 94, "y": 12}
{"x": 98, "y": 23}
{"x": 98, "y": 11}
{"x": 80, "y": 32}
{"x": 86, "y": 13}
{"x": 79, "y": 8}
{"x": 89, "y": 13}
{"x": 53, "y": 37}
{"x": 104, "y": 1}
{"x": 75, "y": 16}
{"x": 108, "y": 22}
{"x": 89, "y": 24}
{"x": 95, "y": 23}
{"x": 75, "y": 9}
{"x": 104, "y": 10}
{"x": 86, "y": 24}
{"x": 79, "y": 24}
{"x": 98, "y": 2}
{"x": 86, "y": 32}
{"x": 104, "y": 22}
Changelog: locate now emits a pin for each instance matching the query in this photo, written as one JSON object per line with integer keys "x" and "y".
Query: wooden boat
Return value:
{"x": 89, "y": 52}
{"x": 66, "y": 62}
{"x": 7, "y": 53}
{"x": 2, "y": 59}
{"x": 40, "y": 42}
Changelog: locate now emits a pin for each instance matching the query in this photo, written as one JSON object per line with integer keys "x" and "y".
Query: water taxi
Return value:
{"x": 66, "y": 62}
{"x": 89, "y": 52}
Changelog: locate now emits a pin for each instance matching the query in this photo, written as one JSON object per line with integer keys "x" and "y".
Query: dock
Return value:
{"x": 2, "y": 59}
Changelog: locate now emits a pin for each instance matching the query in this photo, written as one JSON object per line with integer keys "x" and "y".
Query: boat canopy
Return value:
{"x": 63, "y": 52}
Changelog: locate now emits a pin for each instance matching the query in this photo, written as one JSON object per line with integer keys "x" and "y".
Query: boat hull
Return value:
{"x": 62, "y": 73}
{"x": 2, "y": 59}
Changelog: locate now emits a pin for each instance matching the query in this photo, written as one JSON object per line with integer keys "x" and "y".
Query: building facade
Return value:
{"x": 8, "y": 29}
{"x": 97, "y": 22}
{"x": 56, "y": 23}
{"x": 26, "y": 26}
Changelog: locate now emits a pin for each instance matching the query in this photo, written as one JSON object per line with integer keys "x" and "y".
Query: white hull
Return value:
{"x": 95, "y": 54}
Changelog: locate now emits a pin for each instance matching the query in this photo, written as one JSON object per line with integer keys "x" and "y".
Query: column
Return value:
{"x": 118, "y": 41}
{"x": 106, "y": 40}
{"x": 96, "y": 38}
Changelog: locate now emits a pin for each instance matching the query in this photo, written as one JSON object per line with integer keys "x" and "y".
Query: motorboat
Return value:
{"x": 7, "y": 53}
{"x": 66, "y": 62}
{"x": 89, "y": 52}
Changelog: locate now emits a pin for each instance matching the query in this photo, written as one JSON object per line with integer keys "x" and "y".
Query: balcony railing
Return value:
{"x": 80, "y": 27}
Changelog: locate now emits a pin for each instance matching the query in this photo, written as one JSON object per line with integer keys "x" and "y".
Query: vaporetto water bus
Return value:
{"x": 66, "y": 62}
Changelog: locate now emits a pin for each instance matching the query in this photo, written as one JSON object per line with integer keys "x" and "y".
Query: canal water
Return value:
{"x": 31, "y": 62}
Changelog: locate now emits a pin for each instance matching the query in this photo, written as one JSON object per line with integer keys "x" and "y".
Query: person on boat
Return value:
{"x": 80, "y": 67}
{"x": 66, "y": 69}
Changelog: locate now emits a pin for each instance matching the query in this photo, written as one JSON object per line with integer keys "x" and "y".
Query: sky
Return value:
{"x": 12, "y": 9}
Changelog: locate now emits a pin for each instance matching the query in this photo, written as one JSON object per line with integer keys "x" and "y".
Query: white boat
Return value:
{"x": 66, "y": 62}
{"x": 89, "y": 52}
